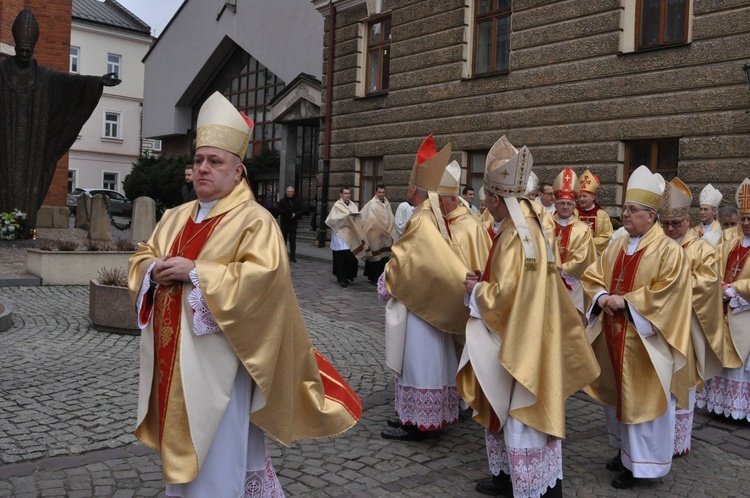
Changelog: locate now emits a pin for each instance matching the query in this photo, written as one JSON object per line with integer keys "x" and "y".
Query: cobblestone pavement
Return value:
{"x": 68, "y": 398}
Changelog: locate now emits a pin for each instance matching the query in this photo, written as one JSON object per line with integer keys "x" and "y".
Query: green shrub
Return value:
{"x": 160, "y": 178}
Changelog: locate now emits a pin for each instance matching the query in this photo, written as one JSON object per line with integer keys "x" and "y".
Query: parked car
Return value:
{"x": 119, "y": 205}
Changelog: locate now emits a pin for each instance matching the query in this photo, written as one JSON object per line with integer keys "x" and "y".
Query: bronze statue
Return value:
{"x": 41, "y": 113}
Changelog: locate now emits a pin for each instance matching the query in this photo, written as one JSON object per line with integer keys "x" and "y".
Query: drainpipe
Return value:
{"x": 321, "y": 238}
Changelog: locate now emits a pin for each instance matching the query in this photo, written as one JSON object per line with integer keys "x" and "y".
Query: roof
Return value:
{"x": 109, "y": 13}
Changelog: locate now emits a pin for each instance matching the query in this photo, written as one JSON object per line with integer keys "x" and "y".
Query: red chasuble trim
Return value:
{"x": 589, "y": 217}
{"x": 736, "y": 262}
{"x": 488, "y": 266}
{"x": 336, "y": 388}
{"x": 616, "y": 327}
{"x": 168, "y": 301}
{"x": 563, "y": 239}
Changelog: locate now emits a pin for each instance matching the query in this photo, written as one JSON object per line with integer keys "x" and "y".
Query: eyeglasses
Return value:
{"x": 633, "y": 209}
{"x": 546, "y": 193}
{"x": 673, "y": 224}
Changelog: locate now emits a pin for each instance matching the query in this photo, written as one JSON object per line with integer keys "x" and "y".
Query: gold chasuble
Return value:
{"x": 542, "y": 342}
{"x": 346, "y": 222}
{"x": 735, "y": 266}
{"x": 470, "y": 236}
{"x": 379, "y": 228}
{"x": 186, "y": 379}
{"x": 426, "y": 274}
{"x": 636, "y": 371}
{"x": 601, "y": 226}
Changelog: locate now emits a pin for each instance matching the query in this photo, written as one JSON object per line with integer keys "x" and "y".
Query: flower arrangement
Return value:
{"x": 12, "y": 225}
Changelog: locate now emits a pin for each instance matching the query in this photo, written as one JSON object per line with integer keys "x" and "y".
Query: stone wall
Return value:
{"x": 570, "y": 94}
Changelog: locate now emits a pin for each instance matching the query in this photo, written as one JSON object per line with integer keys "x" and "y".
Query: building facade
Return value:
{"x": 606, "y": 86}
{"x": 106, "y": 38}
{"x": 265, "y": 57}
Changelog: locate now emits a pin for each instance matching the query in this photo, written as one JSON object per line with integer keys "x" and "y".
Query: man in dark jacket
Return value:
{"x": 290, "y": 209}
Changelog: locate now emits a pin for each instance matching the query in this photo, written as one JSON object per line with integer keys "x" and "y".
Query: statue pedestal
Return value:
{"x": 52, "y": 217}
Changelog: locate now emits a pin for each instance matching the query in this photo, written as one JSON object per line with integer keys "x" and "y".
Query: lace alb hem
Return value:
{"x": 145, "y": 286}
{"x": 203, "y": 320}
{"x": 683, "y": 430}
{"x": 570, "y": 281}
{"x": 427, "y": 409}
{"x": 263, "y": 483}
{"x": 727, "y": 397}
{"x": 532, "y": 470}
{"x": 383, "y": 293}
{"x": 258, "y": 483}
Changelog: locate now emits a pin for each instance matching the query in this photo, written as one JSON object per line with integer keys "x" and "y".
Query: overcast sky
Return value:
{"x": 154, "y": 13}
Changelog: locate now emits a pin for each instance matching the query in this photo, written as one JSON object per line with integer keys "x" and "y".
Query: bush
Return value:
{"x": 116, "y": 277}
{"x": 160, "y": 178}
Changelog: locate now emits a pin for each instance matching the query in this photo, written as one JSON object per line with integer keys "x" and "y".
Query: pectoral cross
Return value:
{"x": 736, "y": 269}
{"x": 619, "y": 281}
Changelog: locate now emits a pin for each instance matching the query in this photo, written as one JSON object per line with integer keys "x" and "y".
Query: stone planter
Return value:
{"x": 6, "y": 316}
{"x": 111, "y": 309}
{"x": 73, "y": 267}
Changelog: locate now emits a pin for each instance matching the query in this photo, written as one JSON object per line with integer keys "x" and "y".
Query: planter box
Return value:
{"x": 111, "y": 310}
{"x": 6, "y": 316}
{"x": 73, "y": 267}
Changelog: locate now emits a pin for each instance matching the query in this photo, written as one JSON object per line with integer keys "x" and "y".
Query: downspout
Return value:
{"x": 328, "y": 124}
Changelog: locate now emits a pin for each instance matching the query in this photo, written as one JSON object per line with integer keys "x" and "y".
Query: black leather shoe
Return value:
{"x": 342, "y": 283}
{"x": 293, "y": 260}
{"x": 623, "y": 480}
{"x": 496, "y": 486}
{"x": 394, "y": 422}
{"x": 403, "y": 433}
{"x": 615, "y": 464}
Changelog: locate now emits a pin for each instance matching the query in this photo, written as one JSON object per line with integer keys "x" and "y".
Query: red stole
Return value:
{"x": 563, "y": 238}
{"x": 168, "y": 309}
{"x": 589, "y": 217}
{"x": 736, "y": 262}
{"x": 616, "y": 327}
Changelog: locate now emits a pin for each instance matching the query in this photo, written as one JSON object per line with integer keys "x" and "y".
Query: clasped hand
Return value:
{"x": 472, "y": 279}
{"x": 170, "y": 270}
{"x": 611, "y": 304}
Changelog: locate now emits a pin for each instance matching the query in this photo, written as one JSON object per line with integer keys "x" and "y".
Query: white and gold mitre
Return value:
{"x": 710, "y": 195}
{"x": 532, "y": 184}
{"x": 507, "y": 169}
{"x": 643, "y": 188}
{"x": 450, "y": 183}
{"x": 743, "y": 197}
{"x": 221, "y": 125}
{"x": 589, "y": 183}
{"x": 676, "y": 199}
{"x": 429, "y": 165}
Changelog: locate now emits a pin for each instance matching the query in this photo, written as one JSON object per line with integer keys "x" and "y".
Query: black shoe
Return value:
{"x": 496, "y": 486}
{"x": 293, "y": 260}
{"x": 615, "y": 464}
{"x": 555, "y": 491}
{"x": 623, "y": 480}
{"x": 464, "y": 415}
{"x": 394, "y": 422}
{"x": 403, "y": 433}
{"x": 342, "y": 283}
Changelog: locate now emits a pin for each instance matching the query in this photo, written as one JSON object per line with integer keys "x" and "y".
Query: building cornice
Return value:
{"x": 322, "y": 5}
{"x": 110, "y": 32}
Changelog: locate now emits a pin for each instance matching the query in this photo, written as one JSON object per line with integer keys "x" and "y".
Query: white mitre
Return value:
{"x": 532, "y": 185}
{"x": 221, "y": 125}
{"x": 710, "y": 195}
{"x": 450, "y": 183}
{"x": 643, "y": 188}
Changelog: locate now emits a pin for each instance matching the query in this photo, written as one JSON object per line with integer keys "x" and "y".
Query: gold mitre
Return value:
{"x": 507, "y": 169}
{"x": 532, "y": 184}
{"x": 676, "y": 199}
{"x": 429, "y": 165}
{"x": 589, "y": 183}
{"x": 743, "y": 197}
{"x": 450, "y": 183}
{"x": 221, "y": 125}
{"x": 710, "y": 195}
{"x": 643, "y": 188}
{"x": 566, "y": 185}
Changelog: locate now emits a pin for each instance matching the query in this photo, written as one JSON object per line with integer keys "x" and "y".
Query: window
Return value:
{"x": 71, "y": 180}
{"x": 475, "y": 173}
{"x": 661, "y": 23}
{"x": 660, "y": 156}
{"x": 491, "y": 36}
{"x": 113, "y": 64}
{"x": 371, "y": 173}
{"x": 111, "y": 125}
{"x": 109, "y": 180}
{"x": 75, "y": 55}
{"x": 378, "y": 54}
